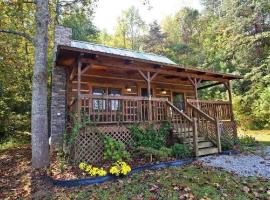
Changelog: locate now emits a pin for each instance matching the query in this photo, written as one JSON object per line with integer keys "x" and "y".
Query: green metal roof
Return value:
{"x": 121, "y": 52}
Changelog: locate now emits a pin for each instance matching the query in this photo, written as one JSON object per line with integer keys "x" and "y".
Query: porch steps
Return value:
{"x": 189, "y": 140}
{"x": 207, "y": 151}
{"x": 205, "y": 147}
{"x": 205, "y": 144}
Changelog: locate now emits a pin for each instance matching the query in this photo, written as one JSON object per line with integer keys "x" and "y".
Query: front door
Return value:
{"x": 179, "y": 101}
{"x": 144, "y": 92}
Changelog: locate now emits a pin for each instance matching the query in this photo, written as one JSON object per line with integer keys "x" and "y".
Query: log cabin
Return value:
{"x": 117, "y": 87}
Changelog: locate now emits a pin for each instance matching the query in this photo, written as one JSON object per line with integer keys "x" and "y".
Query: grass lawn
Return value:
{"x": 263, "y": 136}
{"x": 16, "y": 140}
{"x": 19, "y": 181}
{"x": 190, "y": 182}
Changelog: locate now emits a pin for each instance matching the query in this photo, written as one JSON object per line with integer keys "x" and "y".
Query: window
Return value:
{"x": 99, "y": 104}
{"x": 114, "y": 105}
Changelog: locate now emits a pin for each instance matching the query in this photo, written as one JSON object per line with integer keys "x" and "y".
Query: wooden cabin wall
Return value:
{"x": 90, "y": 80}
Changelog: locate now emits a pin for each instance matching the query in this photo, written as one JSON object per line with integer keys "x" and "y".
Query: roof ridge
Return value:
{"x": 130, "y": 50}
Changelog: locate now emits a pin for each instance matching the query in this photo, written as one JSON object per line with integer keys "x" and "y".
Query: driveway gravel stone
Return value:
{"x": 243, "y": 165}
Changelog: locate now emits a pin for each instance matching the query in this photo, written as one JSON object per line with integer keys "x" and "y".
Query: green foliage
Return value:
{"x": 129, "y": 30}
{"x": 70, "y": 135}
{"x": 114, "y": 150}
{"x": 150, "y": 137}
{"x": 181, "y": 151}
{"x": 248, "y": 141}
{"x": 161, "y": 153}
{"x": 228, "y": 143}
{"x": 82, "y": 28}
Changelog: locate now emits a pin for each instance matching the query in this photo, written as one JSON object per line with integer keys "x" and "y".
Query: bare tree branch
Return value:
{"x": 24, "y": 35}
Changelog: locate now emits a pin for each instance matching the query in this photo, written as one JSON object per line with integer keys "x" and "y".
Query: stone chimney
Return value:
{"x": 62, "y": 35}
{"x": 59, "y": 90}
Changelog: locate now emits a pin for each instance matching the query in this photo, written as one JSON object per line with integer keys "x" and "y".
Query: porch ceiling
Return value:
{"x": 68, "y": 56}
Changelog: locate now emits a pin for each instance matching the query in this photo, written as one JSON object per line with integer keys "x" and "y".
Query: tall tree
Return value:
{"x": 82, "y": 27}
{"x": 18, "y": 12}
{"x": 154, "y": 41}
{"x": 39, "y": 126}
{"x": 129, "y": 29}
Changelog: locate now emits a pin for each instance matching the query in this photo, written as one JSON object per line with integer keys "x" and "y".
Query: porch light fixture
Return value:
{"x": 163, "y": 91}
{"x": 128, "y": 89}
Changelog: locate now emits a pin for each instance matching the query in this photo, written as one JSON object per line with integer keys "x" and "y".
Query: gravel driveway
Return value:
{"x": 243, "y": 165}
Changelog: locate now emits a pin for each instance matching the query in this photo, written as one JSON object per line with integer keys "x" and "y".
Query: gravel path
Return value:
{"x": 243, "y": 165}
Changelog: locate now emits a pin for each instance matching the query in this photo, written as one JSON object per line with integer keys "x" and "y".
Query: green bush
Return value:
{"x": 248, "y": 141}
{"x": 114, "y": 150}
{"x": 150, "y": 137}
{"x": 181, "y": 151}
{"x": 228, "y": 143}
{"x": 163, "y": 152}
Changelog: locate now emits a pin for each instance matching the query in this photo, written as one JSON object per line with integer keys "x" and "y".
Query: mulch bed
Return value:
{"x": 17, "y": 178}
{"x": 70, "y": 172}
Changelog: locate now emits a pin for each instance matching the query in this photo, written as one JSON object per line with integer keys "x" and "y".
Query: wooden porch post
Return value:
{"x": 229, "y": 89}
{"x": 79, "y": 90}
{"x": 195, "y": 82}
{"x": 149, "y": 97}
{"x": 148, "y": 78}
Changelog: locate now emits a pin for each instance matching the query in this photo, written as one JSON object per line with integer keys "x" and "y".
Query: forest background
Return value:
{"x": 231, "y": 36}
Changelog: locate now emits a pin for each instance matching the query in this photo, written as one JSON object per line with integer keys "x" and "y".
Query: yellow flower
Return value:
{"x": 88, "y": 168}
{"x": 82, "y": 165}
{"x": 120, "y": 167}
{"x": 125, "y": 169}
{"x": 93, "y": 171}
{"x": 115, "y": 171}
{"x": 102, "y": 172}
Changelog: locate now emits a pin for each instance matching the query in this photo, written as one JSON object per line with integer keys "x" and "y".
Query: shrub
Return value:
{"x": 181, "y": 151}
{"x": 248, "y": 141}
{"x": 150, "y": 137}
{"x": 163, "y": 152}
{"x": 228, "y": 143}
{"x": 115, "y": 150}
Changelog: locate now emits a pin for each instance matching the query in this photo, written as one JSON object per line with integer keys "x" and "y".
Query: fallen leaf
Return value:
{"x": 245, "y": 189}
{"x": 154, "y": 188}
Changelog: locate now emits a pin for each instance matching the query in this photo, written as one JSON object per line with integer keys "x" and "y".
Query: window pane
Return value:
{"x": 114, "y": 104}
{"x": 99, "y": 91}
{"x": 114, "y": 92}
{"x": 99, "y": 104}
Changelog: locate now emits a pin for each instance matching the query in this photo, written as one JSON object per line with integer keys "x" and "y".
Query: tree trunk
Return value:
{"x": 39, "y": 121}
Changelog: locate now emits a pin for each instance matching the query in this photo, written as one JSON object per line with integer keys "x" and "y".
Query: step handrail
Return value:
{"x": 201, "y": 112}
{"x": 193, "y": 123}
{"x": 215, "y": 122}
{"x": 179, "y": 111}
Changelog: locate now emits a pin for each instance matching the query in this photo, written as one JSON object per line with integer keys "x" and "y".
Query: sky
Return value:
{"x": 107, "y": 11}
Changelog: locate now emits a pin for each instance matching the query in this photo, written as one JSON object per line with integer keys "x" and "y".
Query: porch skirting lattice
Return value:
{"x": 89, "y": 143}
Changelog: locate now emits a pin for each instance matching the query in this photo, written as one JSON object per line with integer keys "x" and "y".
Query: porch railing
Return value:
{"x": 124, "y": 109}
{"x": 221, "y": 110}
{"x": 207, "y": 126}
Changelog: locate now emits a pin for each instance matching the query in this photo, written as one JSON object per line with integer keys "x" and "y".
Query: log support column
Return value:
{"x": 79, "y": 102}
{"x": 196, "y": 82}
{"x": 229, "y": 89}
{"x": 148, "y": 78}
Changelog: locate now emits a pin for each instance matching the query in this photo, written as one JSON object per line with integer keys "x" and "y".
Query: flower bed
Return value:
{"x": 110, "y": 177}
